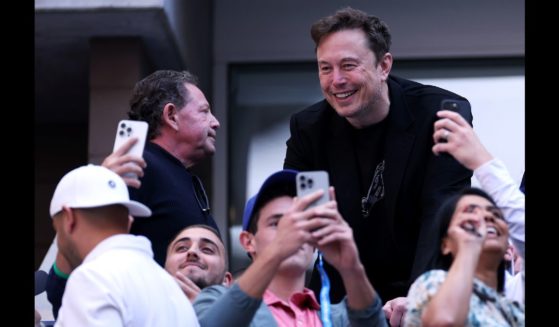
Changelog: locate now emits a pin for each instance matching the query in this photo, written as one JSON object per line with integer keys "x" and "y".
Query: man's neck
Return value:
{"x": 283, "y": 286}
{"x": 173, "y": 148}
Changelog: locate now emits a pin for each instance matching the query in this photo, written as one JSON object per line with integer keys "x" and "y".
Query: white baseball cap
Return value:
{"x": 94, "y": 186}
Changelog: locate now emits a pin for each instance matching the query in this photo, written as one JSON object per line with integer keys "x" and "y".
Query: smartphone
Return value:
{"x": 131, "y": 128}
{"x": 310, "y": 181}
{"x": 460, "y": 106}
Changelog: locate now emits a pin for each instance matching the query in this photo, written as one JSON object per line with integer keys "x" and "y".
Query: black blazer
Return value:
{"x": 398, "y": 247}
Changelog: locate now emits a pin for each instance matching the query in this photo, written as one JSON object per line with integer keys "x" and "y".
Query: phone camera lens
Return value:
{"x": 121, "y": 133}
{"x": 303, "y": 186}
{"x": 123, "y": 125}
{"x": 310, "y": 182}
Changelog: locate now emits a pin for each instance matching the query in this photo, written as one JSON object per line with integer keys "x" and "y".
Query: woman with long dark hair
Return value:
{"x": 468, "y": 289}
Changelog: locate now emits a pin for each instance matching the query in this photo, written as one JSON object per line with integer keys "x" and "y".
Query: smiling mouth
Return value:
{"x": 344, "y": 95}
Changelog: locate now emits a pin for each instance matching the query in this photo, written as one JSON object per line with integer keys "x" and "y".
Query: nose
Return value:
{"x": 339, "y": 76}
{"x": 489, "y": 218}
{"x": 214, "y": 122}
{"x": 192, "y": 254}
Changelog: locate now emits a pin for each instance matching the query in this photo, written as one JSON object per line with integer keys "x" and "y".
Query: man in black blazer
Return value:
{"x": 373, "y": 134}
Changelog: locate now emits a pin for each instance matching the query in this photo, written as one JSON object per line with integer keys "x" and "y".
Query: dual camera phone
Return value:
{"x": 308, "y": 182}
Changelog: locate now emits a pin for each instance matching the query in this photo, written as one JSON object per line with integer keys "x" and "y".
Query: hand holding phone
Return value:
{"x": 460, "y": 106}
{"x": 308, "y": 182}
{"x": 127, "y": 129}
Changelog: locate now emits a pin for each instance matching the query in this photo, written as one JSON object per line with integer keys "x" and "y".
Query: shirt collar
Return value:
{"x": 303, "y": 300}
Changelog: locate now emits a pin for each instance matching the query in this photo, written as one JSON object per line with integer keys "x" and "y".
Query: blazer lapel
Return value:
{"x": 398, "y": 145}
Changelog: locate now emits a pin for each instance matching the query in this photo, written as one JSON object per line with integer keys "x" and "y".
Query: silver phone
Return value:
{"x": 310, "y": 181}
{"x": 131, "y": 128}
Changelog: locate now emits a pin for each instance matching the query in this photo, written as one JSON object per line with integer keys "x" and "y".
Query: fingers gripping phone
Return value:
{"x": 311, "y": 181}
{"x": 127, "y": 129}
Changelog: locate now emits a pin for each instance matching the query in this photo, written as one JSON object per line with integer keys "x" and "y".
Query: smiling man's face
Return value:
{"x": 199, "y": 254}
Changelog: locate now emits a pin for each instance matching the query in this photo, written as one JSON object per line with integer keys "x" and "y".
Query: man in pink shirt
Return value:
{"x": 280, "y": 234}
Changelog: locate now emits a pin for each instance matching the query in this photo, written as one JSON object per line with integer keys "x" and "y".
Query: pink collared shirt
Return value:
{"x": 301, "y": 311}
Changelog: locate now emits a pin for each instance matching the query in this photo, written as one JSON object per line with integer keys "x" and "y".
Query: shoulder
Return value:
{"x": 420, "y": 97}
{"x": 313, "y": 114}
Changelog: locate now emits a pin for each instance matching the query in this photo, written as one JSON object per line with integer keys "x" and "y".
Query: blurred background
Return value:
{"x": 256, "y": 65}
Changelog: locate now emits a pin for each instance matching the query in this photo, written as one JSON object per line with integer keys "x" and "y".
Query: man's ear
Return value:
{"x": 227, "y": 279}
{"x": 247, "y": 241}
{"x": 69, "y": 220}
{"x": 385, "y": 65}
{"x": 170, "y": 116}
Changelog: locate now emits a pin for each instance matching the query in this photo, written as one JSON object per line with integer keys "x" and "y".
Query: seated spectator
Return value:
{"x": 280, "y": 234}
{"x": 468, "y": 291}
{"x": 115, "y": 281}
{"x": 196, "y": 258}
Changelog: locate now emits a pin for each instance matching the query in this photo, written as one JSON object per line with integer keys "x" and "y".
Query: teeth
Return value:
{"x": 343, "y": 95}
{"x": 491, "y": 230}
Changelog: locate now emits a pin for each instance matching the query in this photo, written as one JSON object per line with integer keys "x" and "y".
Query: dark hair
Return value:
{"x": 153, "y": 92}
{"x": 348, "y": 18}
{"x": 443, "y": 218}
{"x": 267, "y": 195}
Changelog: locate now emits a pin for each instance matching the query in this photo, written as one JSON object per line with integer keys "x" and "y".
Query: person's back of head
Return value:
{"x": 154, "y": 91}
{"x": 349, "y": 18}
{"x": 89, "y": 204}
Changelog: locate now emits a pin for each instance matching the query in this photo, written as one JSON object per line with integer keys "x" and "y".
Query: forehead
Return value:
{"x": 197, "y": 98}
{"x": 473, "y": 199}
{"x": 345, "y": 41}
{"x": 275, "y": 207}
{"x": 195, "y": 234}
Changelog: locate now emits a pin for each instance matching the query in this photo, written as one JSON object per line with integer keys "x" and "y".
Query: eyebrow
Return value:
{"x": 202, "y": 240}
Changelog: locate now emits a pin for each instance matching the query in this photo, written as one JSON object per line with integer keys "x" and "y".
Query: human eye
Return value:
{"x": 348, "y": 66}
{"x": 181, "y": 248}
{"x": 496, "y": 212}
{"x": 471, "y": 208}
{"x": 324, "y": 69}
{"x": 208, "y": 250}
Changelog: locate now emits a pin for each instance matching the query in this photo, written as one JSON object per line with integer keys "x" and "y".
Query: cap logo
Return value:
{"x": 112, "y": 183}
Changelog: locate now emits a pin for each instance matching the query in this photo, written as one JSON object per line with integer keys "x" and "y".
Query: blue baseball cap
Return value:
{"x": 280, "y": 178}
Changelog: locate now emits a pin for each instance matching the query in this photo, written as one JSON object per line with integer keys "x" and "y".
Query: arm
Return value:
{"x": 464, "y": 145}
{"x": 496, "y": 180}
{"x": 218, "y": 306}
{"x": 56, "y": 282}
{"x": 451, "y": 303}
{"x": 295, "y": 153}
{"x": 335, "y": 241}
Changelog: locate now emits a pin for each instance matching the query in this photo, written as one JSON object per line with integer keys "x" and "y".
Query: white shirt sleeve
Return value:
{"x": 495, "y": 179}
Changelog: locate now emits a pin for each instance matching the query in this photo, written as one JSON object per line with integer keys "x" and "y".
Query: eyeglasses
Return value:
{"x": 376, "y": 191}
{"x": 200, "y": 194}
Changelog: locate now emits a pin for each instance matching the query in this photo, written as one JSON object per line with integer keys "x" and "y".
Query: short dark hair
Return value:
{"x": 443, "y": 218}
{"x": 267, "y": 195}
{"x": 153, "y": 92}
{"x": 348, "y": 18}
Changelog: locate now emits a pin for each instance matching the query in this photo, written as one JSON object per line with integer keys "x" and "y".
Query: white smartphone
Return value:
{"x": 131, "y": 128}
{"x": 310, "y": 181}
